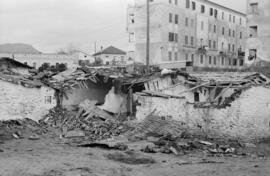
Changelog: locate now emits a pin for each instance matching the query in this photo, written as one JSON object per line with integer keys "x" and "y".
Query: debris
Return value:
{"x": 250, "y": 145}
{"x": 75, "y": 133}
{"x": 108, "y": 146}
{"x": 130, "y": 158}
{"x": 206, "y": 143}
{"x": 34, "y": 137}
{"x": 16, "y": 136}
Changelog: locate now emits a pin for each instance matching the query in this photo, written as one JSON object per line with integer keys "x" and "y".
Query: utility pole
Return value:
{"x": 147, "y": 33}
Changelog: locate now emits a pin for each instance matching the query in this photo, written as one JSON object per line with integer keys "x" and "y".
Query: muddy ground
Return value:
{"x": 53, "y": 157}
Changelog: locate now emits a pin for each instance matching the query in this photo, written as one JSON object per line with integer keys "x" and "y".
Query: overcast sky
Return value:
{"x": 49, "y": 25}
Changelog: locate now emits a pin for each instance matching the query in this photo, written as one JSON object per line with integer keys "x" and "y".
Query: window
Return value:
{"x": 170, "y": 17}
{"x": 210, "y": 60}
{"x": 171, "y": 37}
{"x": 48, "y": 99}
{"x": 211, "y": 11}
{"x": 233, "y": 19}
{"x": 240, "y": 21}
{"x": 176, "y": 19}
{"x": 229, "y": 47}
{"x": 187, "y": 4}
{"x": 222, "y": 61}
{"x": 170, "y": 1}
{"x": 230, "y": 18}
{"x": 230, "y": 61}
{"x": 254, "y": 8}
{"x": 192, "y": 58}
{"x": 252, "y": 54}
{"x": 216, "y": 13}
{"x": 201, "y": 59}
{"x": 214, "y": 44}
{"x": 215, "y": 29}
{"x": 176, "y": 38}
{"x": 229, "y": 32}
{"x": 222, "y": 45}
{"x": 202, "y": 8}
{"x": 253, "y": 31}
{"x": 234, "y": 62}
{"x": 186, "y": 40}
{"x": 131, "y": 37}
{"x": 196, "y": 97}
{"x": 191, "y": 41}
{"x": 176, "y": 56}
{"x": 202, "y": 25}
{"x": 209, "y": 43}
{"x": 193, "y": 5}
{"x": 233, "y": 33}
{"x": 223, "y": 31}
{"x": 186, "y": 21}
{"x": 241, "y": 35}
{"x": 170, "y": 56}
{"x": 232, "y": 47}
{"x": 222, "y": 16}
{"x": 241, "y": 62}
{"x": 176, "y": 2}
{"x": 186, "y": 56}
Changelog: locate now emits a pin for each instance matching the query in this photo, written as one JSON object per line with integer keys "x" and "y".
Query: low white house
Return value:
{"x": 111, "y": 56}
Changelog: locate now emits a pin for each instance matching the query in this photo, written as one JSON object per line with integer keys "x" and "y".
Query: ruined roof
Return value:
{"x": 234, "y": 78}
{"x": 10, "y": 73}
{"x": 110, "y": 50}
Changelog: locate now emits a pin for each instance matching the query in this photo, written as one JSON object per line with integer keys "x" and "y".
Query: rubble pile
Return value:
{"x": 90, "y": 122}
{"x": 169, "y": 145}
{"x": 17, "y": 129}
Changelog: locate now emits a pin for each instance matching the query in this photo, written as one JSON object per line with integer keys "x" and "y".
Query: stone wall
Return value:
{"x": 247, "y": 118}
{"x": 18, "y": 102}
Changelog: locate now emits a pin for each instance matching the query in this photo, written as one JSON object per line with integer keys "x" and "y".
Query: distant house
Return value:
{"x": 111, "y": 56}
{"x": 21, "y": 94}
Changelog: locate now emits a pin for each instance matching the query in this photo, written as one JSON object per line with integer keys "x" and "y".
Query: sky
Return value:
{"x": 50, "y": 25}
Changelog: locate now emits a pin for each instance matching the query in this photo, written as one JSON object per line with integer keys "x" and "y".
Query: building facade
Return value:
{"x": 258, "y": 31}
{"x": 37, "y": 60}
{"x": 112, "y": 56}
{"x": 199, "y": 31}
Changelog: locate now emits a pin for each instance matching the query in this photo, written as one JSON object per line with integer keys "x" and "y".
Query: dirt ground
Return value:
{"x": 52, "y": 157}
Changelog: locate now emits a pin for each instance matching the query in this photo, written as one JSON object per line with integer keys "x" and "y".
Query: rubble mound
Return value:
{"x": 93, "y": 124}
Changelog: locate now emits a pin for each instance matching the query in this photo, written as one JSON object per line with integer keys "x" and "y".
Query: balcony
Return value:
{"x": 241, "y": 53}
{"x": 202, "y": 50}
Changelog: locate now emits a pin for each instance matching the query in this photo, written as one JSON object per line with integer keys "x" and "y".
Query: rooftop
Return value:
{"x": 110, "y": 50}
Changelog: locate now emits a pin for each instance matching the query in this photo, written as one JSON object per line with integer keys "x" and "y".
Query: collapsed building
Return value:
{"x": 213, "y": 104}
{"x": 21, "y": 95}
{"x": 231, "y": 105}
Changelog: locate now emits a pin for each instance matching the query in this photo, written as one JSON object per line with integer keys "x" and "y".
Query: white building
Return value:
{"x": 112, "y": 56}
{"x": 198, "y": 31}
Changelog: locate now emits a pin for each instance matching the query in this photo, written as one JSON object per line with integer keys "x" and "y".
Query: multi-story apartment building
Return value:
{"x": 201, "y": 31}
{"x": 258, "y": 31}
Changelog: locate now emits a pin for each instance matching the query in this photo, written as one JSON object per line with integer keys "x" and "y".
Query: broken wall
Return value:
{"x": 247, "y": 118}
{"x": 91, "y": 91}
{"x": 17, "y": 102}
